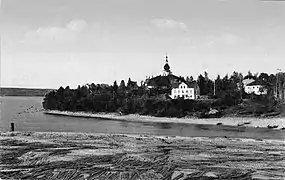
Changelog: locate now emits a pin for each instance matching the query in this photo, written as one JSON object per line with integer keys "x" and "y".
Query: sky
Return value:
{"x": 53, "y": 43}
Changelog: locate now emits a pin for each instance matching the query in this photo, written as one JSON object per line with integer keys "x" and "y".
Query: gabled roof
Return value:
{"x": 189, "y": 84}
{"x": 247, "y": 81}
{"x": 258, "y": 82}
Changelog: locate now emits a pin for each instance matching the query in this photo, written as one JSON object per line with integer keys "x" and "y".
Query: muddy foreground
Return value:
{"x": 101, "y": 156}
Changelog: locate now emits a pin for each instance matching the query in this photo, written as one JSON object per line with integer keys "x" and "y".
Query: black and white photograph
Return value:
{"x": 142, "y": 89}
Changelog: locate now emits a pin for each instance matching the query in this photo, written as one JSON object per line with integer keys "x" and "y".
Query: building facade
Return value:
{"x": 256, "y": 87}
{"x": 178, "y": 86}
{"x": 183, "y": 91}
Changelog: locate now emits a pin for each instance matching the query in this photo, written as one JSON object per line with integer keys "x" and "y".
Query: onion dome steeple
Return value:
{"x": 166, "y": 68}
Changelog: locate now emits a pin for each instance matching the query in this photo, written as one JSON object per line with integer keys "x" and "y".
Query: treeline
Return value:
{"x": 131, "y": 98}
{"x": 96, "y": 98}
{"x": 232, "y": 83}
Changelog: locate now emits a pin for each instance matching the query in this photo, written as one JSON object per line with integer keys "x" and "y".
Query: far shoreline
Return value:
{"x": 256, "y": 122}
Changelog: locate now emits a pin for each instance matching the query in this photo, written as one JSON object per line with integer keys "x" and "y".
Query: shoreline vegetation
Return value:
{"x": 58, "y": 155}
{"x": 272, "y": 122}
{"x": 229, "y": 104}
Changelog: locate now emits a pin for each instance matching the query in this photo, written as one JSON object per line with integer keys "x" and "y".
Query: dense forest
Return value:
{"x": 224, "y": 94}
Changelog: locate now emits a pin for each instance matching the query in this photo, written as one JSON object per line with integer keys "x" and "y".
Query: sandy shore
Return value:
{"x": 231, "y": 121}
{"x": 104, "y": 156}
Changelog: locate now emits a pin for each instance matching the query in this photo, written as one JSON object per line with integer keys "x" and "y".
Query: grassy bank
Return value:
{"x": 102, "y": 156}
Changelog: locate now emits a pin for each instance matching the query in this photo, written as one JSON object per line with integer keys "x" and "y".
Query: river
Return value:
{"x": 25, "y": 113}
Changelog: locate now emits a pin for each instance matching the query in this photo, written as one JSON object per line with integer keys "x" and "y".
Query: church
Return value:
{"x": 178, "y": 86}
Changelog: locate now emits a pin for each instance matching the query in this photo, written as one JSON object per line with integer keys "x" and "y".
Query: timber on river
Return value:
{"x": 35, "y": 155}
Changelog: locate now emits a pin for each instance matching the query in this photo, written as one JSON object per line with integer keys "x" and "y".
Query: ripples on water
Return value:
{"x": 25, "y": 113}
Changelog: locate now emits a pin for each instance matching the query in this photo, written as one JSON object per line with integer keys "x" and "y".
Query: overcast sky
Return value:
{"x": 49, "y": 43}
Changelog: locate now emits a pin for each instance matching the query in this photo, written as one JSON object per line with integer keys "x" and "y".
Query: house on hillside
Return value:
{"x": 184, "y": 90}
{"x": 257, "y": 87}
{"x": 178, "y": 86}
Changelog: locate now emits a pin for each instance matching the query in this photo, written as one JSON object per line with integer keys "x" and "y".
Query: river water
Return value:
{"x": 25, "y": 113}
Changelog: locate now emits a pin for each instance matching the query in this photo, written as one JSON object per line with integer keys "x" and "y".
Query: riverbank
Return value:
{"x": 105, "y": 156}
{"x": 274, "y": 122}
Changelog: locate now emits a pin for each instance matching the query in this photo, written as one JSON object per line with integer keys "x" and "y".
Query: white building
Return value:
{"x": 256, "y": 87}
{"x": 179, "y": 87}
{"x": 183, "y": 90}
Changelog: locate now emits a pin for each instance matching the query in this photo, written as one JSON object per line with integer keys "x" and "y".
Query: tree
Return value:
{"x": 115, "y": 86}
{"x": 187, "y": 79}
{"x": 235, "y": 77}
{"x": 191, "y": 79}
{"x": 129, "y": 84}
{"x": 92, "y": 87}
{"x": 201, "y": 83}
{"x": 208, "y": 85}
{"x": 272, "y": 79}
{"x": 249, "y": 76}
{"x": 264, "y": 77}
{"x": 206, "y": 76}
{"x": 50, "y": 101}
{"x": 218, "y": 84}
{"x": 122, "y": 86}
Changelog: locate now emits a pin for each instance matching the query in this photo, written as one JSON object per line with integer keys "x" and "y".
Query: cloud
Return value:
{"x": 76, "y": 25}
{"x": 226, "y": 39}
{"x": 55, "y": 34}
{"x": 168, "y": 24}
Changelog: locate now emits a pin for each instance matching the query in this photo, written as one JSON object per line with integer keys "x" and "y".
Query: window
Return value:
{"x": 182, "y": 91}
{"x": 175, "y": 96}
{"x": 178, "y": 91}
{"x": 174, "y": 91}
{"x": 186, "y": 91}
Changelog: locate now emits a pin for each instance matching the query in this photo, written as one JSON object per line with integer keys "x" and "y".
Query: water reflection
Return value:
{"x": 165, "y": 125}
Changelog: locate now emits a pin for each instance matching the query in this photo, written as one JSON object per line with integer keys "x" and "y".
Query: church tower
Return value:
{"x": 166, "y": 69}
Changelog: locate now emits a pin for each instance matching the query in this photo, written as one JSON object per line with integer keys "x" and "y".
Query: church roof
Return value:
{"x": 159, "y": 81}
{"x": 169, "y": 81}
